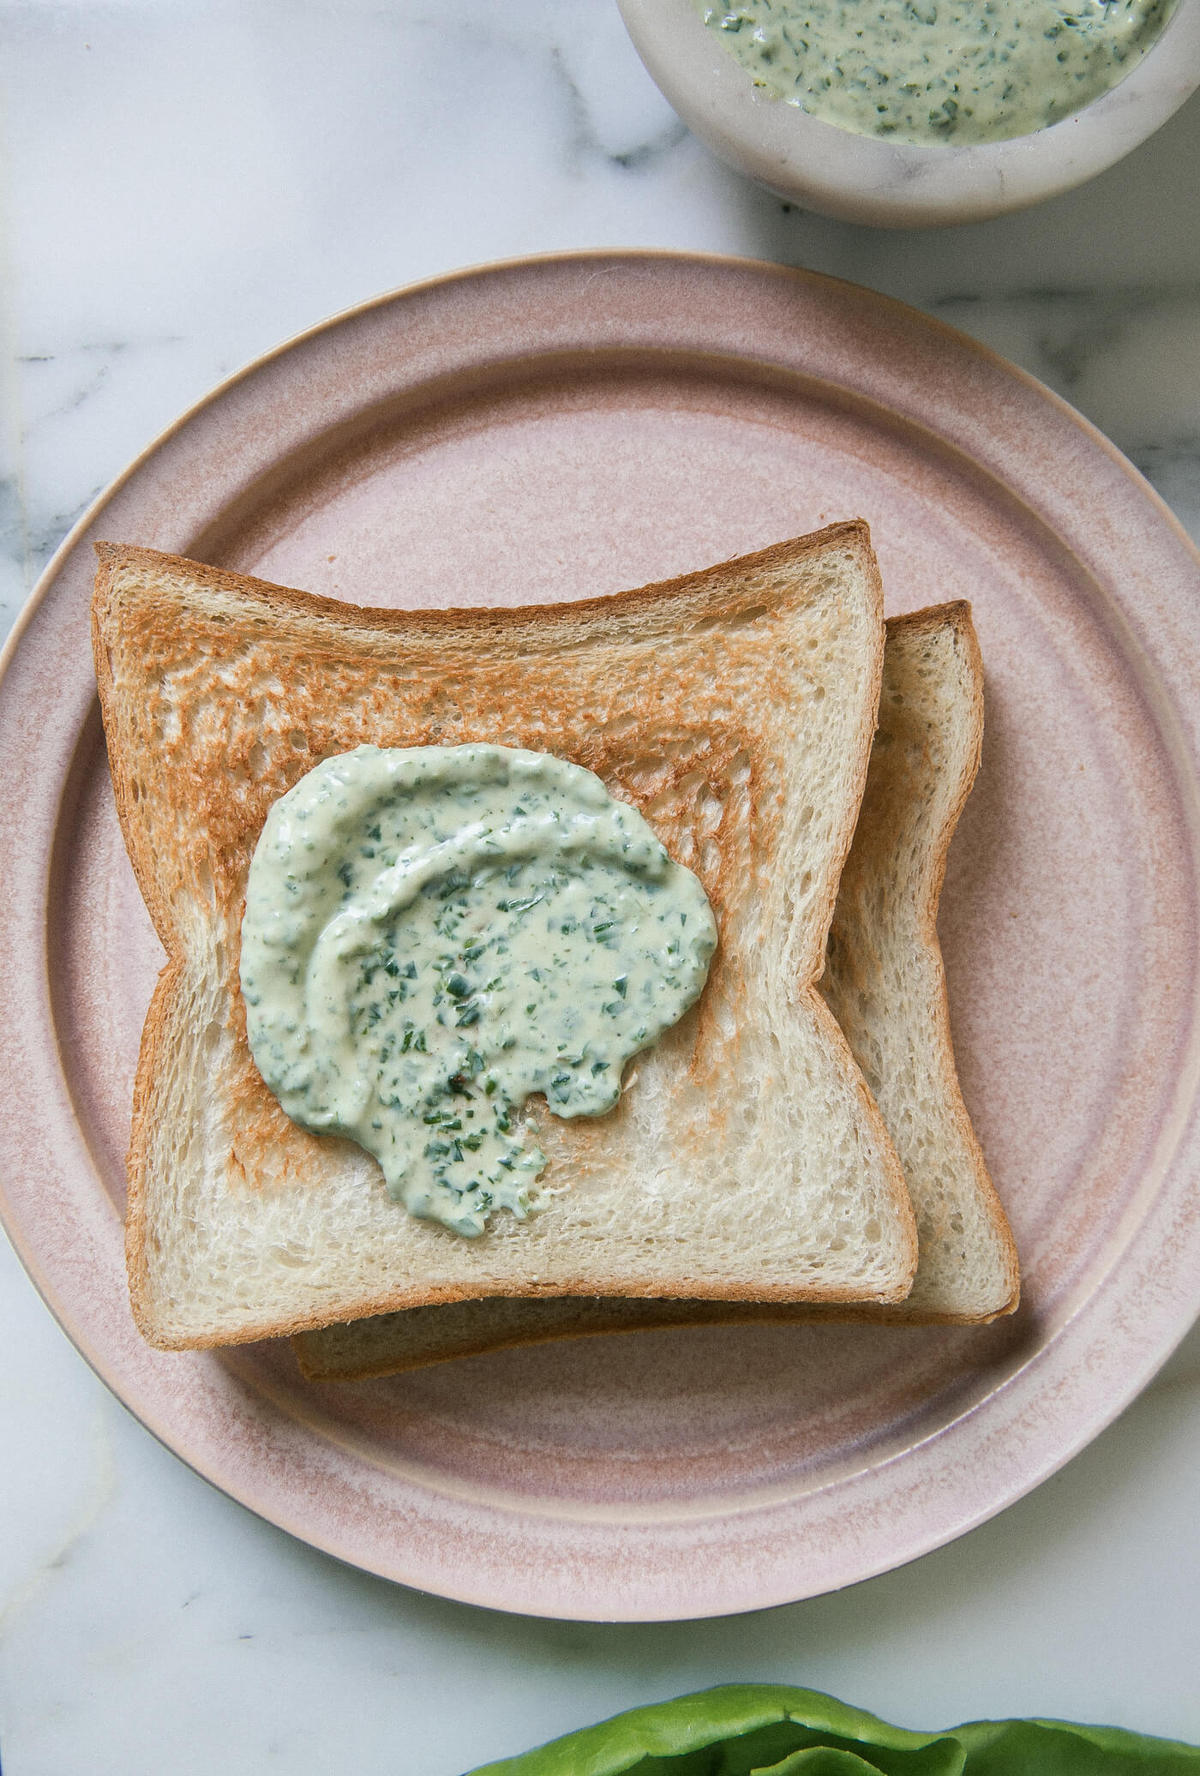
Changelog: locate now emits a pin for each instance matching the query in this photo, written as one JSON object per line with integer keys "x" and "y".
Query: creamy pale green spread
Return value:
{"x": 938, "y": 70}
{"x": 432, "y": 935}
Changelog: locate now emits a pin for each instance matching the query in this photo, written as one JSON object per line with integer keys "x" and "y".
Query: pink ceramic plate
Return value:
{"x": 575, "y": 425}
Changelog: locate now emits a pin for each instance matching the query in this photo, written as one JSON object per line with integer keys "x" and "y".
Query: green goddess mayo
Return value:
{"x": 928, "y": 71}
{"x": 433, "y": 934}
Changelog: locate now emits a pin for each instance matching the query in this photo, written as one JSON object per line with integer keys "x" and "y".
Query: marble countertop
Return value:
{"x": 182, "y": 186}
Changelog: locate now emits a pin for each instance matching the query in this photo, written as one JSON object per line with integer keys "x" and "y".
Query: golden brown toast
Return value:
{"x": 734, "y": 707}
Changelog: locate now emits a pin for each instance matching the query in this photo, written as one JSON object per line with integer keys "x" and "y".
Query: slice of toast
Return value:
{"x": 885, "y": 983}
{"x": 884, "y": 980}
{"x": 735, "y": 707}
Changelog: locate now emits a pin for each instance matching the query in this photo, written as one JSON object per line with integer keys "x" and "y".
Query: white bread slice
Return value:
{"x": 884, "y": 980}
{"x": 885, "y": 983}
{"x": 735, "y": 707}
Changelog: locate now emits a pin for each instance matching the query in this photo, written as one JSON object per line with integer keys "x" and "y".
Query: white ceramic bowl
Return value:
{"x": 893, "y": 184}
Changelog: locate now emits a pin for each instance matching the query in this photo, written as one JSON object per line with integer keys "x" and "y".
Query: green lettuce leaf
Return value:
{"x": 774, "y": 1730}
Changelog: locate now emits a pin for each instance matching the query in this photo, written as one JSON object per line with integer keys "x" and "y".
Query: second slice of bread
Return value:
{"x": 734, "y": 707}
{"x": 885, "y": 982}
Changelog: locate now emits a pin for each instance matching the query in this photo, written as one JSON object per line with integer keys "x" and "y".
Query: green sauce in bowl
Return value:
{"x": 934, "y": 71}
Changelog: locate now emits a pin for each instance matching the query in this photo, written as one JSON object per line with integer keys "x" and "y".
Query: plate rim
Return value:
{"x": 481, "y": 269}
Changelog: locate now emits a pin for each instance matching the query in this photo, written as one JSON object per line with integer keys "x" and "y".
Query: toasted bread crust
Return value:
{"x": 219, "y": 691}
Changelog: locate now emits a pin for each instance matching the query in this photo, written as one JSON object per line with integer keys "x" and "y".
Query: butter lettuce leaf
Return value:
{"x": 775, "y": 1730}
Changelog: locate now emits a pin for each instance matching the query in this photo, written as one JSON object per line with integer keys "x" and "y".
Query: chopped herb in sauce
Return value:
{"x": 928, "y": 71}
{"x": 430, "y": 938}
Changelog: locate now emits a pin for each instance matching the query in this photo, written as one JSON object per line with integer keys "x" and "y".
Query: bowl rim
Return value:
{"x": 872, "y": 179}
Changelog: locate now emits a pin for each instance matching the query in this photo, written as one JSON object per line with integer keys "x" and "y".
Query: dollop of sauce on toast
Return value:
{"x": 433, "y": 935}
